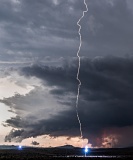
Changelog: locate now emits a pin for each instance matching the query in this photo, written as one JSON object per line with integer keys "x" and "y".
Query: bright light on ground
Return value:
{"x": 86, "y": 149}
{"x": 20, "y": 147}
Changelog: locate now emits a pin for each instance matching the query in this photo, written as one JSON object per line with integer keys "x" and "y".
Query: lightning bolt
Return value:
{"x": 79, "y": 85}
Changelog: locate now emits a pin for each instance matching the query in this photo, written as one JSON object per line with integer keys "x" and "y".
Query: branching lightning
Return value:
{"x": 80, "y": 36}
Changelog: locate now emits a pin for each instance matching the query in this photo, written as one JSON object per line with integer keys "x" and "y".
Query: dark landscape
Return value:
{"x": 62, "y": 153}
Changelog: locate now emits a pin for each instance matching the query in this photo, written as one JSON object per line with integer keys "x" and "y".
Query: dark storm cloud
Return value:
{"x": 38, "y": 28}
{"x": 106, "y": 78}
{"x": 32, "y": 30}
{"x": 54, "y": 76}
{"x": 14, "y": 133}
{"x": 109, "y": 28}
{"x": 34, "y": 143}
{"x": 105, "y": 98}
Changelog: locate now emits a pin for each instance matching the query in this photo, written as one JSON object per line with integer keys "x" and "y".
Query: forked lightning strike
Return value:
{"x": 77, "y": 100}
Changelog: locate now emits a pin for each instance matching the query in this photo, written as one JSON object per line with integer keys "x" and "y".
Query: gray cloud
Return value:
{"x": 108, "y": 30}
{"x": 33, "y": 30}
{"x": 110, "y": 75}
{"x": 38, "y": 29}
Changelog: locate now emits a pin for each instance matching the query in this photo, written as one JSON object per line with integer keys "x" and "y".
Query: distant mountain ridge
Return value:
{"x": 8, "y": 147}
{"x": 12, "y": 147}
{"x": 66, "y": 146}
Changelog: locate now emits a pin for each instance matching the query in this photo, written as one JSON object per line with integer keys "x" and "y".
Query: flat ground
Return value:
{"x": 62, "y": 154}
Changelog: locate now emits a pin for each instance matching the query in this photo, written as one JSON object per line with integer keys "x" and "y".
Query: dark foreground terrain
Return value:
{"x": 65, "y": 154}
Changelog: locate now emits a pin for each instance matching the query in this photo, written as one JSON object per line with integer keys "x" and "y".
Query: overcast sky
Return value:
{"x": 39, "y": 41}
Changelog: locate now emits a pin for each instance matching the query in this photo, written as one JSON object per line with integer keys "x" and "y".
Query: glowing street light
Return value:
{"x": 86, "y": 150}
